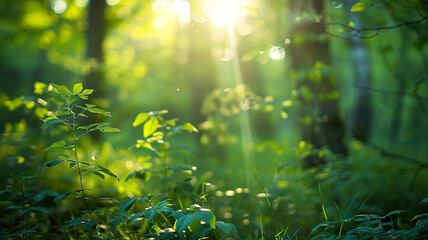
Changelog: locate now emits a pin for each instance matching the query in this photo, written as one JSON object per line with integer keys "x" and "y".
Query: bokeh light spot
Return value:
{"x": 159, "y": 22}
{"x": 59, "y": 6}
{"x": 124, "y": 12}
{"x": 159, "y": 5}
{"x": 129, "y": 164}
{"x": 81, "y": 3}
{"x": 277, "y": 53}
{"x": 112, "y": 2}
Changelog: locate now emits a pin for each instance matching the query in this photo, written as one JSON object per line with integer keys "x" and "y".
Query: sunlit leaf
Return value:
{"x": 360, "y": 6}
{"x": 77, "y": 88}
{"x": 56, "y": 100}
{"x": 141, "y": 118}
{"x": 150, "y": 126}
{"x": 109, "y": 129}
{"x": 87, "y": 91}
{"x": 62, "y": 89}
{"x": 97, "y": 111}
{"x": 84, "y": 94}
{"x": 189, "y": 127}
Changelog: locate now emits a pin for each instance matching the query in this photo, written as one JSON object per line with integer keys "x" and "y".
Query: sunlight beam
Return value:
{"x": 225, "y": 12}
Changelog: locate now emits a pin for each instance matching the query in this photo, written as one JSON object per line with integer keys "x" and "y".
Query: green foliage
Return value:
{"x": 370, "y": 226}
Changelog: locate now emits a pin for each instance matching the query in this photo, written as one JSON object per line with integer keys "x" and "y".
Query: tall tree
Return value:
{"x": 94, "y": 49}
{"x": 321, "y": 122}
{"x": 362, "y": 113}
{"x": 94, "y": 52}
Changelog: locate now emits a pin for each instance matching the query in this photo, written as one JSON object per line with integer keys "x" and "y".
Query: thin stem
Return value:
{"x": 78, "y": 167}
{"x": 23, "y": 206}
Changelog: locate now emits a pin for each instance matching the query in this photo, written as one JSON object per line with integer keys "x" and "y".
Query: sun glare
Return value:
{"x": 225, "y": 12}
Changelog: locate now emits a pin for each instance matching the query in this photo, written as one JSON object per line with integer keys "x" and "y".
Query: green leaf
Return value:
{"x": 423, "y": 215}
{"x": 51, "y": 122}
{"x": 73, "y": 222}
{"x": 156, "y": 228}
{"x": 90, "y": 108}
{"x": 126, "y": 205}
{"x": 99, "y": 174}
{"x": 61, "y": 196}
{"x": 141, "y": 118}
{"x": 34, "y": 208}
{"x": 58, "y": 146}
{"x": 189, "y": 127}
{"x": 77, "y": 88}
{"x": 87, "y": 91}
{"x": 56, "y": 100}
{"x": 225, "y": 227}
{"x": 62, "y": 113}
{"x": 109, "y": 129}
{"x": 84, "y": 94}
{"x": 29, "y": 177}
{"x": 184, "y": 222}
{"x": 89, "y": 225}
{"x": 62, "y": 89}
{"x": 73, "y": 163}
{"x": 6, "y": 203}
{"x": 108, "y": 172}
{"x": 394, "y": 212}
{"x": 360, "y": 6}
{"x": 150, "y": 126}
{"x": 41, "y": 195}
{"x": 206, "y": 216}
{"x": 52, "y": 163}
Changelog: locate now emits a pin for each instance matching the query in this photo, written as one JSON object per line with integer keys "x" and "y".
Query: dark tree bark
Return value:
{"x": 362, "y": 113}
{"x": 321, "y": 123}
{"x": 94, "y": 54}
{"x": 94, "y": 51}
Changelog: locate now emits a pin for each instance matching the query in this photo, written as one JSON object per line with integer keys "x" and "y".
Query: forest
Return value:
{"x": 213, "y": 119}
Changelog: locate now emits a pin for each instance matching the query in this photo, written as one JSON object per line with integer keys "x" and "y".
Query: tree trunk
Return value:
{"x": 362, "y": 113}
{"x": 94, "y": 50}
{"x": 320, "y": 120}
{"x": 94, "y": 54}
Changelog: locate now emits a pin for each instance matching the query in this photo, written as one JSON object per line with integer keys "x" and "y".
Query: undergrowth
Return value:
{"x": 181, "y": 206}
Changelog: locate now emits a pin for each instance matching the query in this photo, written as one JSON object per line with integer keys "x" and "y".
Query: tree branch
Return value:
{"x": 418, "y": 97}
{"x": 355, "y": 32}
